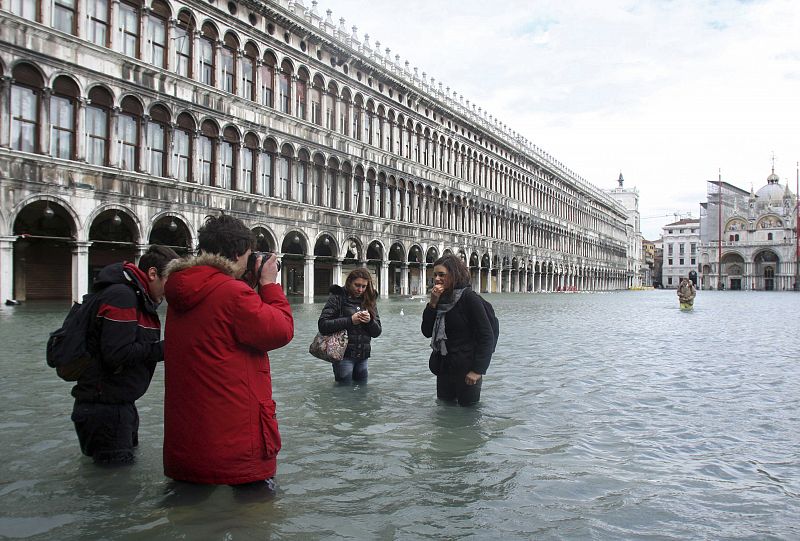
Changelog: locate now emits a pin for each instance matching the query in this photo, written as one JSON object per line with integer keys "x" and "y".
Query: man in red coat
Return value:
{"x": 219, "y": 417}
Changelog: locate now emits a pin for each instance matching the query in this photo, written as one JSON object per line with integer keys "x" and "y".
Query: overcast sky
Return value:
{"x": 666, "y": 92}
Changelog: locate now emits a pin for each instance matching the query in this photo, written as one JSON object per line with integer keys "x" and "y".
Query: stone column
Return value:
{"x": 113, "y": 144}
{"x": 523, "y": 286}
{"x": 46, "y": 12}
{"x": 44, "y": 120}
{"x": 257, "y": 165}
{"x": 142, "y": 145}
{"x": 80, "y": 269}
{"x": 172, "y": 51}
{"x": 384, "y": 270}
{"x": 478, "y": 280}
{"x": 113, "y": 26}
{"x": 337, "y": 272}
{"x": 217, "y": 46}
{"x": 500, "y": 279}
{"x": 144, "y": 15}
{"x": 404, "y": 279}
{"x": 308, "y": 279}
{"x": 194, "y": 159}
{"x": 216, "y": 167}
{"x": 169, "y": 135}
{"x": 6, "y": 268}
{"x": 80, "y": 129}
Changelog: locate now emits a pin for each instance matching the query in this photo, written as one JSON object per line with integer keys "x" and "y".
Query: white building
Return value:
{"x": 128, "y": 122}
{"x": 681, "y": 241}
{"x": 629, "y": 198}
{"x": 752, "y": 243}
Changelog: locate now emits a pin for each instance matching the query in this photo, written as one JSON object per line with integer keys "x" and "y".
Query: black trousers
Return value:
{"x": 452, "y": 387}
{"x": 107, "y": 432}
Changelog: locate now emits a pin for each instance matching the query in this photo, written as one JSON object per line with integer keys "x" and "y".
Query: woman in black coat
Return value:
{"x": 461, "y": 334}
{"x": 352, "y": 307}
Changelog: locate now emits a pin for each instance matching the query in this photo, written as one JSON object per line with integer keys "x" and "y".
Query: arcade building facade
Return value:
{"x": 125, "y": 123}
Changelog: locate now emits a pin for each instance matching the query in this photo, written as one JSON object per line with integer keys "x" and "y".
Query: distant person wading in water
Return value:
{"x": 686, "y": 293}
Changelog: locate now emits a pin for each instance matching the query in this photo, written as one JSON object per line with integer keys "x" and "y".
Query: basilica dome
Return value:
{"x": 773, "y": 191}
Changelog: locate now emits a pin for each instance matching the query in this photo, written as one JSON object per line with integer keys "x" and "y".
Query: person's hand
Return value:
{"x": 361, "y": 317}
{"x": 269, "y": 274}
{"x": 436, "y": 292}
{"x": 472, "y": 378}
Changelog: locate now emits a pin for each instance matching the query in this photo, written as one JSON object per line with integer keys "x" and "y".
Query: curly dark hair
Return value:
{"x": 456, "y": 268}
{"x": 157, "y": 256}
{"x": 226, "y": 236}
{"x": 370, "y": 295}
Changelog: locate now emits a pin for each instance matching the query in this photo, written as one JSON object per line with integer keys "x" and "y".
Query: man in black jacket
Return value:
{"x": 125, "y": 342}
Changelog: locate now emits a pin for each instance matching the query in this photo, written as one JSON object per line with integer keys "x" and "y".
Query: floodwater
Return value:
{"x": 604, "y": 416}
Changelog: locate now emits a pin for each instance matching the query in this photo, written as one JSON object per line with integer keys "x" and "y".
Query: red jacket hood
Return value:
{"x": 191, "y": 280}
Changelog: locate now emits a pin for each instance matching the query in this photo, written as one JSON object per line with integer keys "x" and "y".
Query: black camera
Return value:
{"x": 255, "y": 273}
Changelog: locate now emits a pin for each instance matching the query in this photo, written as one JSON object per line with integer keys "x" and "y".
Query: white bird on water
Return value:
{"x": 402, "y": 313}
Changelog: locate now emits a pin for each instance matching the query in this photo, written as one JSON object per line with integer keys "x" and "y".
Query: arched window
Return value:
{"x": 97, "y": 110}
{"x": 129, "y": 28}
{"x": 301, "y": 94}
{"x": 182, "y": 147}
{"x": 129, "y": 124}
{"x": 183, "y": 39}
{"x": 369, "y": 123}
{"x": 346, "y": 181}
{"x": 344, "y": 113}
{"x": 316, "y": 101}
{"x": 285, "y": 173}
{"x": 321, "y": 192}
{"x": 382, "y": 140}
{"x": 302, "y": 177}
{"x": 409, "y": 137}
{"x": 157, "y": 18}
{"x": 207, "y": 153}
{"x": 247, "y": 88}
{"x": 267, "y": 158}
{"x": 25, "y": 95}
{"x": 330, "y": 107}
{"x": 249, "y": 157}
{"x": 157, "y": 129}
{"x": 64, "y": 15}
{"x": 268, "y": 80}
{"x": 228, "y": 62}
{"x": 97, "y": 26}
{"x": 228, "y": 158}
{"x": 207, "y": 57}
{"x": 358, "y": 111}
{"x": 285, "y": 96}
{"x": 62, "y": 118}
{"x": 27, "y": 9}
{"x": 336, "y": 185}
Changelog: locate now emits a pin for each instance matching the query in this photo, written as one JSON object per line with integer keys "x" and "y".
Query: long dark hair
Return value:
{"x": 370, "y": 295}
{"x": 456, "y": 268}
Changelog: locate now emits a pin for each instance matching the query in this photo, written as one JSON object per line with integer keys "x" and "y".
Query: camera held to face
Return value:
{"x": 254, "y": 273}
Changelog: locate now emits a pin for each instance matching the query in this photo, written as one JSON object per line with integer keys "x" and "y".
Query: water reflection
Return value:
{"x": 593, "y": 424}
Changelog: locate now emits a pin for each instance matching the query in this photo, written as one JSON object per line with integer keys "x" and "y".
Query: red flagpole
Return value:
{"x": 719, "y": 231}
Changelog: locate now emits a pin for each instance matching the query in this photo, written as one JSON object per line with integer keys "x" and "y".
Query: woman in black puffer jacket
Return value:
{"x": 461, "y": 334}
{"x": 352, "y": 307}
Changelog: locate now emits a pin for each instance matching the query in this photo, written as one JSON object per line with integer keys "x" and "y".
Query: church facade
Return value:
{"x": 129, "y": 122}
{"x": 752, "y": 243}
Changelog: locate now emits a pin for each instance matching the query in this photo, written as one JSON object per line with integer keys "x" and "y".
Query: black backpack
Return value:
{"x": 492, "y": 320}
{"x": 68, "y": 348}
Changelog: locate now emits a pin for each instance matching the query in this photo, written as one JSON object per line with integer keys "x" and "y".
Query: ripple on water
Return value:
{"x": 607, "y": 416}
